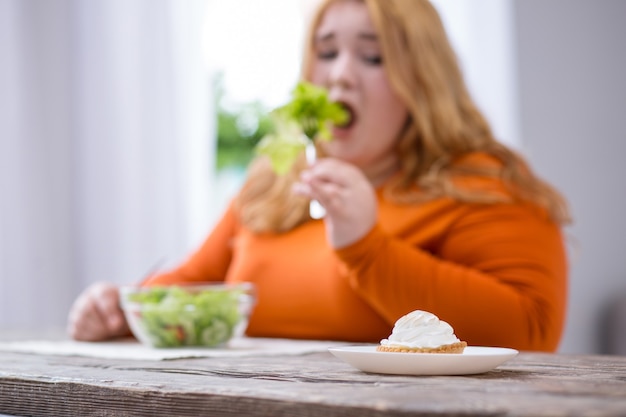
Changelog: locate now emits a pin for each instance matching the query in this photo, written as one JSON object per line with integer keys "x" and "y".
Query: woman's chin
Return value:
{"x": 344, "y": 153}
{"x": 341, "y": 133}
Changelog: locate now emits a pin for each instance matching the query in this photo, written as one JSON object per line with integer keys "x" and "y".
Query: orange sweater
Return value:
{"x": 497, "y": 273}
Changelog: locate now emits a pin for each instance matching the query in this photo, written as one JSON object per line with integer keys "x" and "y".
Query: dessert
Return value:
{"x": 421, "y": 332}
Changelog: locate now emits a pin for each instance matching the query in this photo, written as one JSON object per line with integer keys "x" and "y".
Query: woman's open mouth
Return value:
{"x": 351, "y": 116}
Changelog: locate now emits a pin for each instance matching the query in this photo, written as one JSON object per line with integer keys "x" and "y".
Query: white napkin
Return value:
{"x": 132, "y": 349}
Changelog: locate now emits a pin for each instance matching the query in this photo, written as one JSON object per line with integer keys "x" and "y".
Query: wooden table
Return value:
{"x": 309, "y": 385}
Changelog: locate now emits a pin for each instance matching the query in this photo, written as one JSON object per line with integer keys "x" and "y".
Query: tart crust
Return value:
{"x": 458, "y": 347}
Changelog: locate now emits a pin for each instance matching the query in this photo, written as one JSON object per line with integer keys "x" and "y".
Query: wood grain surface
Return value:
{"x": 307, "y": 386}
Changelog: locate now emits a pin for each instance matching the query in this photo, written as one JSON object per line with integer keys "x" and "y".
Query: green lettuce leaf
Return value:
{"x": 282, "y": 146}
{"x": 308, "y": 115}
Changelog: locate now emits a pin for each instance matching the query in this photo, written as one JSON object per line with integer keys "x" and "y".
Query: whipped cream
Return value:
{"x": 420, "y": 329}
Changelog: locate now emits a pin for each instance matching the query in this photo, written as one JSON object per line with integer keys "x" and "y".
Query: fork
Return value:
{"x": 316, "y": 210}
{"x": 310, "y": 128}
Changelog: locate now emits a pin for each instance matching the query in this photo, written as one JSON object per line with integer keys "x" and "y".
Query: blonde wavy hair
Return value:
{"x": 444, "y": 125}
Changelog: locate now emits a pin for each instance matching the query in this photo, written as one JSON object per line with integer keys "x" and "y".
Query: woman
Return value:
{"x": 424, "y": 208}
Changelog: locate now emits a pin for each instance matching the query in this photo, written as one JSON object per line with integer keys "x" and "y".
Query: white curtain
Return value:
{"x": 106, "y": 141}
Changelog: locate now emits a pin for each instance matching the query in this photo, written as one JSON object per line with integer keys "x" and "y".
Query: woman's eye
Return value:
{"x": 326, "y": 55}
{"x": 373, "y": 59}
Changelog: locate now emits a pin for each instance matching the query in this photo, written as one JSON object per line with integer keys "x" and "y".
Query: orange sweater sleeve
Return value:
{"x": 498, "y": 273}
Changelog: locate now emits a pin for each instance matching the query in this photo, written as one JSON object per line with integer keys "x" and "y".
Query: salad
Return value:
{"x": 175, "y": 316}
{"x": 306, "y": 118}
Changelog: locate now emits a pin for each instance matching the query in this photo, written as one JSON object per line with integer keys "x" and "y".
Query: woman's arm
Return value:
{"x": 498, "y": 276}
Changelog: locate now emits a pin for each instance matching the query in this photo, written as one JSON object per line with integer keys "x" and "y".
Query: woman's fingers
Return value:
{"x": 106, "y": 298}
{"x": 96, "y": 315}
{"x": 330, "y": 195}
{"x": 329, "y": 170}
{"x": 85, "y": 322}
{"x": 346, "y": 194}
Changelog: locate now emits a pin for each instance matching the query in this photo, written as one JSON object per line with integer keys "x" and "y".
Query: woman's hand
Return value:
{"x": 96, "y": 314}
{"x": 346, "y": 194}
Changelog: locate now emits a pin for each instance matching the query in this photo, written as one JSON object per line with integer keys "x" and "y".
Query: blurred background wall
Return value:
{"x": 572, "y": 95}
{"x": 108, "y": 131}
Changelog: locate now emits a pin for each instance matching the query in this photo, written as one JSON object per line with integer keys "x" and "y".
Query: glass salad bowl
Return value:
{"x": 200, "y": 315}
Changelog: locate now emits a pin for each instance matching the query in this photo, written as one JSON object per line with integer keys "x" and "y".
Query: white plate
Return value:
{"x": 473, "y": 360}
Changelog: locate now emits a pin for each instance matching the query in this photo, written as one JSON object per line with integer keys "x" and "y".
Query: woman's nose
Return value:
{"x": 343, "y": 71}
